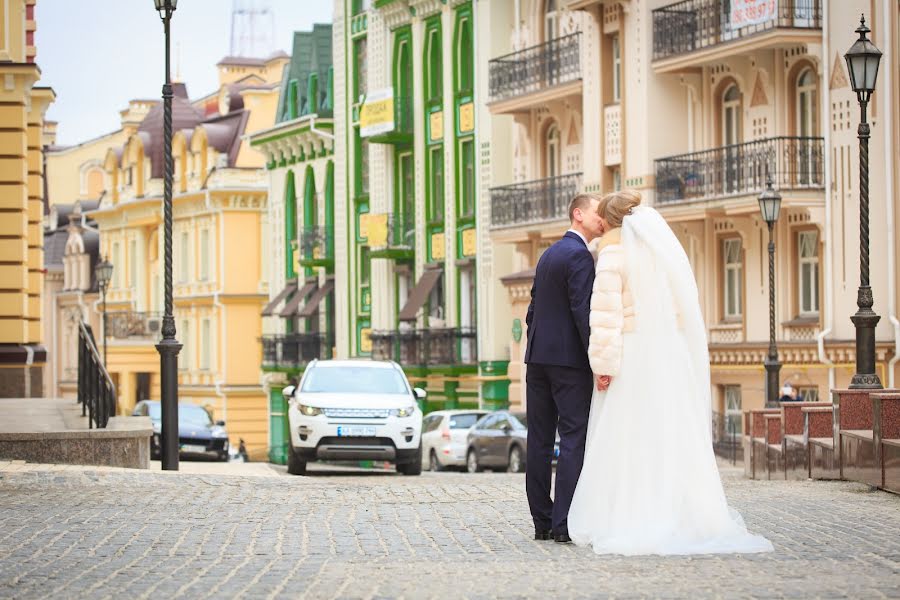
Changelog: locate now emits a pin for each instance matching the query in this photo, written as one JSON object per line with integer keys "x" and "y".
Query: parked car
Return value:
{"x": 445, "y": 437}
{"x": 198, "y": 435}
{"x": 354, "y": 410}
{"x": 498, "y": 441}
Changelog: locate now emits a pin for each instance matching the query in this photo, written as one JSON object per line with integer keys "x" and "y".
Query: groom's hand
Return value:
{"x": 603, "y": 382}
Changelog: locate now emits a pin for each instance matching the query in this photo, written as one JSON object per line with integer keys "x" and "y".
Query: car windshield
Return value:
{"x": 354, "y": 380}
{"x": 463, "y": 421}
{"x": 188, "y": 414}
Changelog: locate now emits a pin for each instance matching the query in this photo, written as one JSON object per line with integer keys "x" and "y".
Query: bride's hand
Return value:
{"x": 603, "y": 382}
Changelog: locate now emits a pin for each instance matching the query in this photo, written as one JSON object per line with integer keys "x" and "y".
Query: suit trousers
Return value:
{"x": 557, "y": 397}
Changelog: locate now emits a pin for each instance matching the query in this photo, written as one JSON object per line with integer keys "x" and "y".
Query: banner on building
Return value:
{"x": 377, "y": 113}
{"x": 751, "y": 12}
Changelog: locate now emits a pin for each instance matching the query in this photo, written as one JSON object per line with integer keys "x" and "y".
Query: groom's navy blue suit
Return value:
{"x": 559, "y": 380}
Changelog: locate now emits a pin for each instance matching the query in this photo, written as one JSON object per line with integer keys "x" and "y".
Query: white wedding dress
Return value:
{"x": 650, "y": 484}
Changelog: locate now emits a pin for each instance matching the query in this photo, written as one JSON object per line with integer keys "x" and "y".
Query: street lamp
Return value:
{"x": 769, "y": 207}
{"x": 168, "y": 347}
{"x": 103, "y": 273}
{"x": 862, "y": 62}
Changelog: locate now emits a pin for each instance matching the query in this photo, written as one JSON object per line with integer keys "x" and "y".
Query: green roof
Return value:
{"x": 311, "y": 54}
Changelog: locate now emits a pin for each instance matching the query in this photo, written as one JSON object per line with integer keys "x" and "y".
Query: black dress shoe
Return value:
{"x": 543, "y": 534}
{"x": 562, "y": 538}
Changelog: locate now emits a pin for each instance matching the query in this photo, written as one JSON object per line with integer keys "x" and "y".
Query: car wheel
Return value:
{"x": 433, "y": 462}
{"x": 414, "y": 467}
{"x": 295, "y": 465}
{"x": 515, "y": 464}
{"x": 472, "y": 465}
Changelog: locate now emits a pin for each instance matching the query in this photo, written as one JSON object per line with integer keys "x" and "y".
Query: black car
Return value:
{"x": 198, "y": 436}
{"x": 498, "y": 441}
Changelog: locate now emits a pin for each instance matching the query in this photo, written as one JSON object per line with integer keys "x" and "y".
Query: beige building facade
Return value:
{"x": 695, "y": 106}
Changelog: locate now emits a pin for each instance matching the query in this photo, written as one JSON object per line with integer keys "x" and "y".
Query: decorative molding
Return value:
{"x": 759, "y": 97}
{"x": 838, "y": 75}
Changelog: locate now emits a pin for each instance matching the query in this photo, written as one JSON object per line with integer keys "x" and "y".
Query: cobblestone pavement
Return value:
{"x": 94, "y": 533}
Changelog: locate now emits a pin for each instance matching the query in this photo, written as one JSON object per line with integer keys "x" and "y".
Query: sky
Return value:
{"x": 99, "y": 54}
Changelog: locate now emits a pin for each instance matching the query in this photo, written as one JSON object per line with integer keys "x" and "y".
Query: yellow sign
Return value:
{"x": 365, "y": 339}
{"x": 469, "y": 245}
{"x": 437, "y": 246}
{"x": 466, "y": 117}
{"x": 377, "y": 114}
{"x": 377, "y": 231}
{"x": 437, "y": 125}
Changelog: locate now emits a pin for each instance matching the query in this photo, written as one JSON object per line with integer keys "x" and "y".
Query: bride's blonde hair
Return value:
{"x": 615, "y": 206}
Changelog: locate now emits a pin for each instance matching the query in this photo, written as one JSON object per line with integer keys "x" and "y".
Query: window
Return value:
{"x": 362, "y": 166}
{"x": 205, "y": 345}
{"x": 435, "y": 75}
{"x": 204, "y": 255}
{"x": 731, "y": 251}
{"x": 731, "y": 116}
{"x": 183, "y": 256}
{"x": 552, "y": 152}
{"x": 467, "y": 179}
{"x": 464, "y": 65}
{"x": 616, "y": 70}
{"x": 807, "y": 126}
{"x": 436, "y": 316}
{"x": 117, "y": 265}
{"x": 406, "y": 202}
{"x": 551, "y": 21}
{"x": 808, "y": 269}
{"x": 184, "y": 334}
{"x": 364, "y": 266}
{"x": 617, "y": 179}
{"x": 359, "y": 73}
{"x": 733, "y": 413}
{"x": 132, "y": 264}
{"x": 437, "y": 184}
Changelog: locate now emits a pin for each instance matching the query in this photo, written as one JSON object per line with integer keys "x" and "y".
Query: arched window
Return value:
{"x": 329, "y": 209}
{"x": 465, "y": 66}
{"x": 731, "y": 116}
{"x": 435, "y": 75}
{"x": 403, "y": 82}
{"x": 807, "y": 103}
{"x": 290, "y": 225}
{"x": 551, "y": 20}
{"x": 552, "y": 152}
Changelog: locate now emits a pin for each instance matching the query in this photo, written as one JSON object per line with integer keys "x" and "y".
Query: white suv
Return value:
{"x": 354, "y": 410}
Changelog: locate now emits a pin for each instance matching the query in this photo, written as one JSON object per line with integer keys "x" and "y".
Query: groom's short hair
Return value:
{"x": 582, "y": 201}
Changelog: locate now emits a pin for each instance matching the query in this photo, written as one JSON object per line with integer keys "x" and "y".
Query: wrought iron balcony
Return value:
{"x": 426, "y": 347}
{"x": 317, "y": 247}
{"x": 536, "y": 68}
{"x": 294, "y": 350}
{"x": 533, "y": 201}
{"x": 403, "y": 124}
{"x": 693, "y": 25}
{"x": 392, "y": 235}
{"x": 793, "y": 162}
{"x": 125, "y": 325}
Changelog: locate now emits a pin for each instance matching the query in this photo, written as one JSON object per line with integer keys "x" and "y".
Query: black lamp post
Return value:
{"x": 168, "y": 347}
{"x": 103, "y": 273}
{"x": 862, "y": 62}
{"x": 769, "y": 207}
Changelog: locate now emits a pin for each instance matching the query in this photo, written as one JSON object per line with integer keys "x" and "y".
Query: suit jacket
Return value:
{"x": 559, "y": 313}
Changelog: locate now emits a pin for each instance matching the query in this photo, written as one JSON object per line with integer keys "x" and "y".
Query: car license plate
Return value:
{"x": 355, "y": 431}
{"x": 193, "y": 448}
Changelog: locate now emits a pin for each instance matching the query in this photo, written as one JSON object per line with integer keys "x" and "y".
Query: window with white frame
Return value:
{"x": 733, "y": 276}
{"x": 117, "y": 265}
{"x": 183, "y": 253}
{"x": 808, "y": 270}
{"x": 205, "y": 345}
{"x": 204, "y": 255}
{"x": 551, "y": 20}
{"x": 184, "y": 336}
{"x": 616, "y": 70}
{"x": 733, "y": 411}
{"x": 132, "y": 263}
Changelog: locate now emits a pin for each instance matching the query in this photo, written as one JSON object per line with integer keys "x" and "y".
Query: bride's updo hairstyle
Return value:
{"x": 615, "y": 206}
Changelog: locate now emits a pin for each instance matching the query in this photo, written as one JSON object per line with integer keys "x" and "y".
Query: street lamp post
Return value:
{"x": 770, "y": 207}
{"x": 103, "y": 273}
{"x": 168, "y": 347}
{"x": 862, "y": 62}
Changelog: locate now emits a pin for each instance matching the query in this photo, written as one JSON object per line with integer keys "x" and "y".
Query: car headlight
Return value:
{"x": 309, "y": 411}
{"x": 220, "y": 434}
{"x": 407, "y": 411}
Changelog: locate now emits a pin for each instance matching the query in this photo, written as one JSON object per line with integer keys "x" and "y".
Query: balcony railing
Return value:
{"x": 533, "y": 201}
{"x": 124, "y": 325}
{"x": 543, "y": 66}
{"x": 696, "y": 24}
{"x": 426, "y": 347}
{"x": 316, "y": 246}
{"x": 392, "y": 235}
{"x": 292, "y": 350}
{"x": 792, "y": 162}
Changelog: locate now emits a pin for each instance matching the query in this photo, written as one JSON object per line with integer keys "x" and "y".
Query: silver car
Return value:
{"x": 444, "y": 434}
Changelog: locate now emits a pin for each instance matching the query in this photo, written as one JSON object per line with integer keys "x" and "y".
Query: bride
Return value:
{"x": 650, "y": 484}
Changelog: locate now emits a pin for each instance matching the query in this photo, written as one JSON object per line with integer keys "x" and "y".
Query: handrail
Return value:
{"x": 545, "y": 65}
{"x": 96, "y": 390}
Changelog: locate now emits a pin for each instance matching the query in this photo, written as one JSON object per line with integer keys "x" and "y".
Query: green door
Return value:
{"x": 278, "y": 427}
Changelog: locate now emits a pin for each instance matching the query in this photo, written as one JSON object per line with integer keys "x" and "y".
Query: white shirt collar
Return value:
{"x": 583, "y": 239}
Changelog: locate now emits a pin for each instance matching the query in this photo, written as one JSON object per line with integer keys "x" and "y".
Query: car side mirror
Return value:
{"x": 506, "y": 428}
{"x": 288, "y": 391}
{"x": 420, "y": 393}
{"x": 220, "y": 423}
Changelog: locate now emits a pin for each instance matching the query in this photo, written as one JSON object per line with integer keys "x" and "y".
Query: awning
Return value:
{"x": 290, "y": 309}
{"x": 269, "y": 310}
{"x": 313, "y": 304}
{"x": 419, "y": 294}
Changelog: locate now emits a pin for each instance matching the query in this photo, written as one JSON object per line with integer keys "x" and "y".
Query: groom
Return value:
{"x": 559, "y": 382}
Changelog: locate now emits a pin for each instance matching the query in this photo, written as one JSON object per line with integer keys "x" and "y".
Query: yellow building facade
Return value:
{"x": 219, "y": 199}
{"x": 22, "y": 108}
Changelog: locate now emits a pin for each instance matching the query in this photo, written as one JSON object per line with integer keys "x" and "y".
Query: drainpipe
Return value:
{"x": 829, "y": 237}
{"x": 889, "y": 189}
{"x": 312, "y": 128}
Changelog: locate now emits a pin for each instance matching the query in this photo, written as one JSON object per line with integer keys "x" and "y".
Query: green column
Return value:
{"x": 495, "y": 391}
